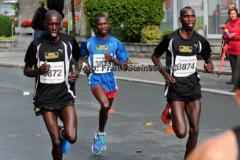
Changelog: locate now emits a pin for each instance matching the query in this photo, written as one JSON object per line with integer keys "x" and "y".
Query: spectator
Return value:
{"x": 37, "y": 21}
{"x": 233, "y": 38}
{"x": 233, "y": 5}
{"x": 57, "y": 5}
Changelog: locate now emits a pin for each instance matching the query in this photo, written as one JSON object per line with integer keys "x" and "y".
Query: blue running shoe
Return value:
{"x": 65, "y": 144}
{"x": 99, "y": 143}
{"x": 95, "y": 150}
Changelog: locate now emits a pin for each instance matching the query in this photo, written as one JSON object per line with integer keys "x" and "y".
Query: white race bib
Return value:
{"x": 185, "y": 66}
{"x": 100, "y": 64}
{"x": 55, "y": 74}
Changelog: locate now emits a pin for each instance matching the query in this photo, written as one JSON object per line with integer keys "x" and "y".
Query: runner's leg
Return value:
{"x": 178, "y": 118}
{"x": 105, "y": 107}
{"x": 69, "y": 118}
{"x": 50, "y": 120}
{"x": 193, "y": 111}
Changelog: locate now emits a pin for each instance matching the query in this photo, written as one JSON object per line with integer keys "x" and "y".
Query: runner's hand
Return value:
{"x": 108, "y": 57}
{"x": 86, "y": 68}
{"x": 169, "y": 79}
{"x": 73, "y": 76}
{"x": 208, "y": 67}
{"x": 44, "y": 68}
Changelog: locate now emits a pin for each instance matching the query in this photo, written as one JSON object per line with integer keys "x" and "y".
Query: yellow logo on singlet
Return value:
{"x": 51, "y": 55}
{"x": 102, "y": 47}
{"x": 185, "y": 49}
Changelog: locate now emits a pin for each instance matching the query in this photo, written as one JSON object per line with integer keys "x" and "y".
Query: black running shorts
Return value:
{"x": 56, "y": 107}
{"x": 185, "y": 89}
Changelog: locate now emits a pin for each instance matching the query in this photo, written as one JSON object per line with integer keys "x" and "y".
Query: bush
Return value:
{"x": 151, "y": 34}
{"x": 6, "y": 26}
{"x": 127, "y": 17}
{"x": 167, "y": 31}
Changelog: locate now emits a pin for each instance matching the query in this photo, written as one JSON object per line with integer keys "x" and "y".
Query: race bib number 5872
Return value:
{"x": 55, "y": 74}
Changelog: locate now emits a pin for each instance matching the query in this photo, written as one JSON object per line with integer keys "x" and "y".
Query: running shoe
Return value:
{"x": 99, "y": 143}
{"x": 95, "y": 150}
{"x": 65, "y": 144}
{"x": 166, "y": 116}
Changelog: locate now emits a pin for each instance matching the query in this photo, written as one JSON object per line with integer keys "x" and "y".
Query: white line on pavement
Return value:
{"x": 209, "y": 90}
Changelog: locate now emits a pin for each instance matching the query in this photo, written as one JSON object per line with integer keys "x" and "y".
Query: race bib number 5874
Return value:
{"x": 55, "y": 74}
{"x": 185, "y": 66}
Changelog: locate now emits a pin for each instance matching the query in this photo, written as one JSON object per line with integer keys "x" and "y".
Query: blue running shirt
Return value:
{"x": 103, "y": 73}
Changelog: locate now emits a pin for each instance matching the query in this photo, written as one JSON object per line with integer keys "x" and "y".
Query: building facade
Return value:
{"x": 209, "y": 14}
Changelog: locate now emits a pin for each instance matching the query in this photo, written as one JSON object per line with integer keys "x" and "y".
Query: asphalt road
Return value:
{"x": 23, "y": 135}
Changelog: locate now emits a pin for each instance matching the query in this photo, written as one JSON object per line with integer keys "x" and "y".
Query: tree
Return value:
{"x": 127, "y": 17}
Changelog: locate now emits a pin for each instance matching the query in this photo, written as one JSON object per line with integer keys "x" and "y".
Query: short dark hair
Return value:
{"x": 184, "y": 10}
{"x": 100, "y": 16}
{"x": 52, "y": 12}
{"x": 232, "y": 9}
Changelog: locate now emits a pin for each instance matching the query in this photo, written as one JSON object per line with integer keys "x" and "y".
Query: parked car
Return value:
{"x": 8, "y": 10}
{"x": 10, "y": 1}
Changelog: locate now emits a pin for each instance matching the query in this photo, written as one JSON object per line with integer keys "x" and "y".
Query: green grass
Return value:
{"x": 8, "y": 38}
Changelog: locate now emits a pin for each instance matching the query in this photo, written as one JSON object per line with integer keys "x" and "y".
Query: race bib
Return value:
{"x": 185, "y": 66}
{"x": 55, "y": 74}
{"x": 100, "y": 65}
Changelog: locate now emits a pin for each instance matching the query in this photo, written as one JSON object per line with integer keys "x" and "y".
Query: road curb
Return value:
{"x": 216, "y": 72}
{"x": 11, "y": 65}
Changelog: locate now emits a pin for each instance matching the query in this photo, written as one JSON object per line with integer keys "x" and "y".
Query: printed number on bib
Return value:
{"x": 100, "y": 64}
{"x": 55, "y": 74}
{"x": 185, "y": 66}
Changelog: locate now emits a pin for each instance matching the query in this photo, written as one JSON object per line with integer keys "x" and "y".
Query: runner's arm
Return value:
{"x": 30, "y": 69}
{"x": 33, "y": 71}
{"x": 110, "y": 58}
{"x": 121, "y": 56}
{"x": 206, "y": 55}
{"x": 84, "y": 54}
{"x": 158, "y": 52}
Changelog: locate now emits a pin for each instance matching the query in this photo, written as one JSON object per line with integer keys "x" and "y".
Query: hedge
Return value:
{"x": 127, "y": 17}
{"x": 6, "y": 26}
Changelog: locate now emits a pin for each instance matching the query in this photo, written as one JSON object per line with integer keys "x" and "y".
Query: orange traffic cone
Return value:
{"x": 111, "y": 111}
{"x": 170, "y": 130}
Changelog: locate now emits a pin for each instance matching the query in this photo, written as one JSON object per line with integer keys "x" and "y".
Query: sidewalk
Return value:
{"x": 16, "y": 59}
{"x": 210, "y": 82}
{"x": 15, "y": 56}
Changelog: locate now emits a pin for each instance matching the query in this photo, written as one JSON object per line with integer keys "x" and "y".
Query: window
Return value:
{"x": 167, "y": 21}
{"x": 217, "y": 14}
